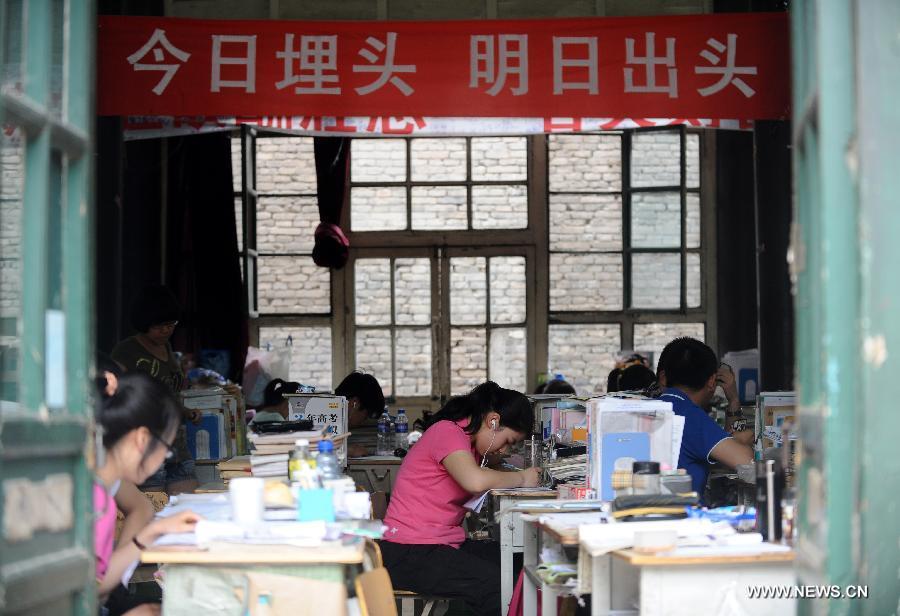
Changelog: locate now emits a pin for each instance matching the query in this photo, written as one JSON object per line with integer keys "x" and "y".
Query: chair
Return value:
{"x": 431, "y": 605}
{"x": 375, "y": 594}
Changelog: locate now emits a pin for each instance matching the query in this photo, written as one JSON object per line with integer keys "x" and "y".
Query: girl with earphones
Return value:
{"x": 425, "y": 548}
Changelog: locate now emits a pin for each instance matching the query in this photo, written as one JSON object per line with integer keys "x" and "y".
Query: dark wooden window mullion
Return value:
{"x": 408, "y": 185}
{"x": 683, "y": 217}
{"x": 393, "y": 326}
{"x": 469, "y": 222}
{"x": 488, "y": 318}
{"x": 626, "y": 221}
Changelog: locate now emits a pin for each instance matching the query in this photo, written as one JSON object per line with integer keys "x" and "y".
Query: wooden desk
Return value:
{"x": 656, "y": 583}
{"x": 223, "y": 578}
{"x": 511, "y": 531}
{"x": 680, "y": 584}
{"x": 212, "y": 487}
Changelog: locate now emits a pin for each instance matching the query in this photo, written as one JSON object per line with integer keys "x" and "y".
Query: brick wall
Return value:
{"x": 11, "y": 168}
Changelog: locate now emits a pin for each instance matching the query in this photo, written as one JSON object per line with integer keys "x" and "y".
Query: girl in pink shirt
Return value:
{"x": 425, "y": 549}
{"x": 139, "y": 417}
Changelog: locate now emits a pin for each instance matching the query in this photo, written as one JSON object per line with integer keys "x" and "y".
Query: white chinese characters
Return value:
{"x": 510, "y": 60}
{"x": 728, "y": 72}
{"x": 248, "y": 61}
{"x": 650, "y": 61}
{"x": 386, "y": 70}
{"x": 317, "y": 60}
{"x": 158, "y": 43}
{"x": 562, "y": 62}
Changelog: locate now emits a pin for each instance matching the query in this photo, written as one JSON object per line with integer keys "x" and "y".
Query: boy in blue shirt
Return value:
{"x": 690, "y": 371}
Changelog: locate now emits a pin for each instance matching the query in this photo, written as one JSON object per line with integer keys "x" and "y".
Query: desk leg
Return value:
{"x": 601, "y": 595}
{"x": 506, "y": 560}
{"x": 529, "y": 590}
{"x": 548, "y": 600}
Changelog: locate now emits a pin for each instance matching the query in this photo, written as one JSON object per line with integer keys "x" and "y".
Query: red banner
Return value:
{"x": 734, "y": 66}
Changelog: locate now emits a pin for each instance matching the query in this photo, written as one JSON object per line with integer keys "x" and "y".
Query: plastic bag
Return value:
{"x": 262, "y": 366}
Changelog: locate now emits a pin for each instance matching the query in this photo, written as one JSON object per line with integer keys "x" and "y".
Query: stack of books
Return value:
{"x": 238, "y": 466}
{"x": 273, "y": 465}
{"x": 269, "y": 453}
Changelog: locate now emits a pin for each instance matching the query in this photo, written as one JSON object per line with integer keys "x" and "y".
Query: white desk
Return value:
{"x": 511, "y": 533}
{"x": 657, "y": 584}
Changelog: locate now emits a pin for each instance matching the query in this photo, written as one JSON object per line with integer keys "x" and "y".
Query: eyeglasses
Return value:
{"x": 171, "y": 449}
{"x": 166, "y": 325}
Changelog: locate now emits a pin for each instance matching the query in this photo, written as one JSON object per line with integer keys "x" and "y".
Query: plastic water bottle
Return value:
{"x": 302, "y": 466}
{"x": 402, "y": 430}
{"x": 382, "y": 444}
{"x": 327, "y": 461}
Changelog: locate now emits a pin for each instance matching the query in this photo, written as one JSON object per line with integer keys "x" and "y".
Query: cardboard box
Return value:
{"x": 577, "y": 491}
{"x": 325, "y": 410}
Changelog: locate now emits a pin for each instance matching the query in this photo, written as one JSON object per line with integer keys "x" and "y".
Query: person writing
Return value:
{"x": 692, "y": 372}
{"x": 425, "y": 548}
{"x": 365, "y": 400}
{"x": 275, "y": 406}
{"x": 140, "y": 418}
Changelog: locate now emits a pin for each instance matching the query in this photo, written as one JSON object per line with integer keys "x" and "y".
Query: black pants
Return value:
{"x": 470, "y": 573}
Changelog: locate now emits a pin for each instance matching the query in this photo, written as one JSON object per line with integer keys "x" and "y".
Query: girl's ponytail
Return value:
{"x": 514, "y": 408}
{"x": 131, "y": 401}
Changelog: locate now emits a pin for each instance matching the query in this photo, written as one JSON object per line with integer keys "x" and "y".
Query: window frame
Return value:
{"x": 532, "y": 241}
{"x": 629, "y": 316}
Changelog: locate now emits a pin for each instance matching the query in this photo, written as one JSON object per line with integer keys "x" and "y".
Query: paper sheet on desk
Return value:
{"x": 288, "y": 533}
{"x": 477, "y": 502}
{"x": 677, "y": 434}
{"x": 208, "y": 506}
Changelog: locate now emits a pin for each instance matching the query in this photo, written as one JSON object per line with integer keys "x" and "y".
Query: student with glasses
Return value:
{"x": 154, "y": 315}
{"x": 139, "y": 417}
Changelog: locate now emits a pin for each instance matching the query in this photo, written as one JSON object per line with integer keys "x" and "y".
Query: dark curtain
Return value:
{"x": 202, "y": 251}
{"x": 332, "y": 179}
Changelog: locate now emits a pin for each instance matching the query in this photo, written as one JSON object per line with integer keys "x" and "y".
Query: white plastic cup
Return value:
{"x": 247, "y": 504}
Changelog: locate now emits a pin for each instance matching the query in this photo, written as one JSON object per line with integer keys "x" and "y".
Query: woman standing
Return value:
{"x": 425, "y": 548}
{"x": 154, "y": 314}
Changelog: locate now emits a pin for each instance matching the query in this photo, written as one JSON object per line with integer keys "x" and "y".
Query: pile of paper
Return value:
{"x": 571, "y": 469}
{"x": 270, "y": 465}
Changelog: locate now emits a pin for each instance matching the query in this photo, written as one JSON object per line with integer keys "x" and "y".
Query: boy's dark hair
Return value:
{"x": 688, "y": 363}
{"x": 636, "y": 378}
{"x": 612, "y": 380}
{"x": 139, "y": 401}
{"x": 366, "y": 388}
{"x": 514, "y": 408}
{"x": 273, "y": 394}
{"x": 664, "y": 354}
{"x": 154, "y": 304}
{"x": 559, "y": 386}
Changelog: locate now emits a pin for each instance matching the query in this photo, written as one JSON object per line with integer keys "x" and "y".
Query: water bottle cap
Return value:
{"x": 326, "y": 446}
{"x": 301, "y": 442}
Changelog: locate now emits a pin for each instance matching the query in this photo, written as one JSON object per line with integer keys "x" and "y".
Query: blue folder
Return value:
{"x": 616, "y": 445}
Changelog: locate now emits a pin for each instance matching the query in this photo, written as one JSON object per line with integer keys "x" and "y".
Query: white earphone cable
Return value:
{"x": 484, "y": 456}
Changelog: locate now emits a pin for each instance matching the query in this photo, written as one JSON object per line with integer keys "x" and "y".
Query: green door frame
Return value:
{"x": 47, "y": 562}
{"x": 847, "y": 220}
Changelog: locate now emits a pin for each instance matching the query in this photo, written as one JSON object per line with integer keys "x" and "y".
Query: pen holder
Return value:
{"x": 315, "y": 504}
